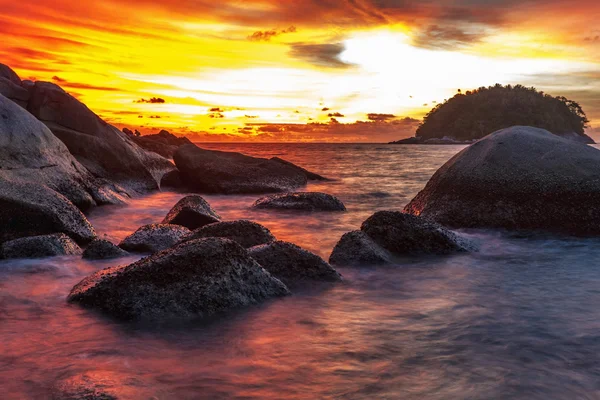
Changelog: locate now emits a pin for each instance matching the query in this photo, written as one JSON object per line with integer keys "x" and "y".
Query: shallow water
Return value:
{"x": 519, "y": 319}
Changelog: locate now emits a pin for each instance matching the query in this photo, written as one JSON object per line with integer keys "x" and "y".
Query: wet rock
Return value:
{"x": 101, "y": 249}
{"x": 520, "y": 178}
{"x": 28, "y": 209}
{"x": 307, "y": 201}
{"x": 209, "y": 171}
{"x": 246, "y": 233}
{"x": 194, "y": 279}
{"x": 401, "y": 234}
{"x": 57, "y": 244}
{"x": 154, "y": 237}
{"x": 103, "y": 149}
{"x": 292, "y": 264}
{"x": 357, "y": 248}
{"x": 192, "y": 212}
{"x": 163, "y": 143}
{"x": 171, "y": 180}
{"x": 310, "y": 175}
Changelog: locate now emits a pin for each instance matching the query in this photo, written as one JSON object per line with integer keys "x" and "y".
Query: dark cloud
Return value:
{"x": 76, "y": 85}
{"x": 335, "y": 114}
{"x": 265, "y": 36}
{"x": 216, "y": 115}
{"x": 321, "y": 55}
{"x": 380, "y": 117}
{"x": 448, "y": 37}
{"x": 152, "y": 100}
{"x": 57, "y": 79}
{"x": 325, "y": 109}
{"x": 216, "y": 109}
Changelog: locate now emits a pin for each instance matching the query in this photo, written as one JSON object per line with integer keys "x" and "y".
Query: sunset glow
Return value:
{"x": 279, "y": 70}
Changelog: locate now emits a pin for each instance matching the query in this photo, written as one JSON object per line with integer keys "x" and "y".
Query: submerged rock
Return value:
{"x": 194, "y": 279}
{"x": 292, "y": 264}
{"x": 520, "y": 178}
{"x": 245, "y": 233}
{"x": 100, "y": 249}
{"x": 192, "y": 212}
{"x": 307, "y": 201}
{"x": 357, "y": 248}
{"x": 230, "y": 173}
{"x": 57, "y": 244}
{"x": 154, "y": 237}
{"x": 28, "y": 209}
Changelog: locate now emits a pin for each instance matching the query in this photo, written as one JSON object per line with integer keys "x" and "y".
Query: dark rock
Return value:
{"x": 410, "y": 140}
{"x": 307, "y": 201}
{"x": 154, "y": 237}
{"x": 7, "y": 73}
{"x": 310, "y": 175}
{"x": 127, "y": 131}
{"x": 103, "y": 149}
{"x": 171, "y": 180}
{"x": 357, "y": 248}
{"x": 194, "y": 279}
{"x": 192, "y": 212}
{"x": 519, "y": 178}
{"x": 57, "y": 244}
{"x": 230, "y": 173}
{"x": 246, "y": 233}
{"x": 14, "y": 91}
{"x": 28, "y": 209}
{"x": 101, "y": 249}
{"x": 163, "y": 143}
{"x": 292, "y": 264}
{"x": 403, "y": 234}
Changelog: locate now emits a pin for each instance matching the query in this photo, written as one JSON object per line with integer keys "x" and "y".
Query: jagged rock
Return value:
{"x": 28, "y": 209}
{"x": 199, "y": 278}
{"x": 246, "y": 233}
{"x": 519, "y": 178}
{"x": 292, "y": 264}
{"x": 154, "y": 237}
{"x": 192, "y": 212}
{"x": 101, "y": 249}
{"x": 230, "y": 173}
{"x": 357, "y": 248}
{"x": 306, "y": 201}
{"x": 310, "y": 175}
{"x": 57, "y": 244}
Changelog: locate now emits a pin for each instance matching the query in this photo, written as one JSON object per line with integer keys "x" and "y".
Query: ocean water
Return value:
{"x": 519, "y": 319}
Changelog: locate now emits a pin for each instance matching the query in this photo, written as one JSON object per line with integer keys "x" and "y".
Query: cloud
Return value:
{"x": 448, "y": 37}
{"x": 57, "y": 79}
{"x": 321, "y": 55}
{"x": 380, "y": 117}
{"x": 216, "y": 115}
{"x": 152, "y": 100}
{"x": 216, "y": 109}
{"x": 335, "y": 114}
{"x": 265, "y": 36}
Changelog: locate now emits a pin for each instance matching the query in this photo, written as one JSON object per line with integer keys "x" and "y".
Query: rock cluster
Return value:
{"x": 306, "y": 201}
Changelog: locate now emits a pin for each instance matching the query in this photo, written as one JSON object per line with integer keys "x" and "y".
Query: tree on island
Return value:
{"x": 475, "y": 114}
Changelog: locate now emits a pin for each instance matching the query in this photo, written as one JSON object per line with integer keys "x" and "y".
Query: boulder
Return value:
{"x": 28, "y": 209}
{"x": 30, "y": 152}
{"x": 292, "y": 264}
{"x": 199, "y": 278}
{"x": 163, "y": 143}
{"x": 245, "y": 233}
{"x": 357, "y": 248}
{"x": 103, "y": 149}
{"x": 154, "y": 237}
{"x": 100, "y": 249}
{"x": 306, "y": 201}
{"x": 171, "y": 180}
{"x": 192, "y": 212}
{"x": 310, "y": 175}
{"x": 209, "y": 171}
{"x": 520, "y": 178}
{"x": 57, "y": 244}
{"x": 7, "y": 73}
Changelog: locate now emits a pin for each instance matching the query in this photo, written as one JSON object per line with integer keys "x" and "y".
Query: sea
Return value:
{"x": 517, "y": 319}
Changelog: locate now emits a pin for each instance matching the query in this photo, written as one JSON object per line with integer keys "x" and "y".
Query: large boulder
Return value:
{"x": 357, "y": 248}
{"x": 28, "y": 209}
{"x": 246, "y": 233}
{"x": 154, "y": 237}
{"x": 310, "y": 175}
{"x": 210, "y": 171}
{"x": 519, "y": 178}
{"x": 57, "y": 244}
{"x": 30, "y": 152}
{"x": 387, "y": 235}
{"x": 12, "y": 87}
{"x": 101, "y": 249}
{"x": 306, "y": 201}
{"x": 103, "y": 149}
{"x": 293, "y": 265}
{"x": 192, "y": 212}
{"x": 163, "y": 143}
{"x": 194, "y": 279}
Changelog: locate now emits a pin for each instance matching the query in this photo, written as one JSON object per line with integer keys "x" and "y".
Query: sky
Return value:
{"x": 293, "y": 70}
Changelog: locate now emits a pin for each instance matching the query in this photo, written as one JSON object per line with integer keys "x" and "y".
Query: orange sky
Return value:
{"x": 318, "y": 70}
